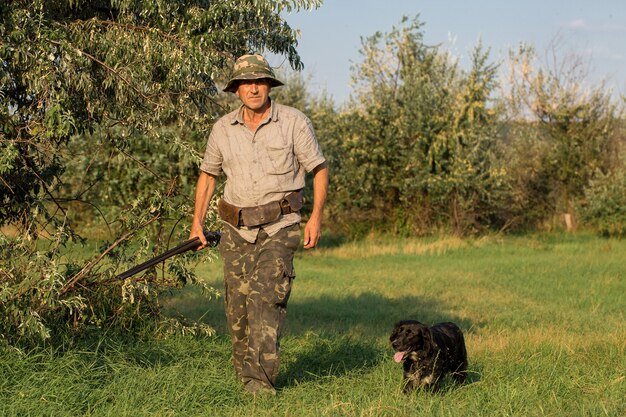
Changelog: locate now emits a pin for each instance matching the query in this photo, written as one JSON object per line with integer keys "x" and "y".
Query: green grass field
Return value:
{"x": 544, "y": 319}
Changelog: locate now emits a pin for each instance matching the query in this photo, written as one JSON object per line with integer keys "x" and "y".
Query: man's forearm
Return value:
{"x": 204, "y": 192}
{"x": 312, "y": 229}
{"x": 320, "y": 189}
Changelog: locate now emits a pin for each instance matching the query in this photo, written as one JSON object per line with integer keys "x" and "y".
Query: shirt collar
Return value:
{"x": 238, "y": 115}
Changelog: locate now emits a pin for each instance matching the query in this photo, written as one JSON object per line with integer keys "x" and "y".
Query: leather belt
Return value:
{"x": 260, "y": 215}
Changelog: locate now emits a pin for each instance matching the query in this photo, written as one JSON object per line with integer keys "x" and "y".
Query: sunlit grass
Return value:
{"x": 373, "y": 245}
{"x": 543, "y": 318}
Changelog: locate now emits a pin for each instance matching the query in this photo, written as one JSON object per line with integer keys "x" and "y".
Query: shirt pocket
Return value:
{"x": 280, "y": 157}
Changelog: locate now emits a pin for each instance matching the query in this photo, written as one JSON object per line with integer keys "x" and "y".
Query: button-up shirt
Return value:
{"x": 265, "y": 165}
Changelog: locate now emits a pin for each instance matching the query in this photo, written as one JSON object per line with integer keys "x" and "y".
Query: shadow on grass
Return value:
{"x": 368, "y": 313}
{"x": 323, "y": 357}
{"x": 332, "y": 336}
{"x": 106, "y": 349}
{"x": 474, "y": 373}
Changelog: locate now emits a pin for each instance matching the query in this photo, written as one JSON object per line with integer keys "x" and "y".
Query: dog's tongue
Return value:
{"x": 398, "y": 356}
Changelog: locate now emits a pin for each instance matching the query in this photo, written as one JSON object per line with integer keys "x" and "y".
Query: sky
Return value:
{"x": 594, "y": 30}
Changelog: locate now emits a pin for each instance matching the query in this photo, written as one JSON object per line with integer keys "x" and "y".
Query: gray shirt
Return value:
{"x": 265, "y": 165}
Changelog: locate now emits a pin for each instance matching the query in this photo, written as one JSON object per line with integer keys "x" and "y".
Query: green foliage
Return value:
{"x": 425, "y": 146}
{"x": 566, "y": 131}
{"x": 605, "y": 203}
{"x": 528, "y": 200}
{"x": 104, "y": 110}
{"x": 71, "y": 67}
{"x": 417, "y": 152}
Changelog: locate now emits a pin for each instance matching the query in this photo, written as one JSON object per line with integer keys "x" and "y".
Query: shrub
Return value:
{"x": 605, "y": 203}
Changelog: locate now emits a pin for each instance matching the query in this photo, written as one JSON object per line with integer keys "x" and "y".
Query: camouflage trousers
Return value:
{"x": 257, "y": 285}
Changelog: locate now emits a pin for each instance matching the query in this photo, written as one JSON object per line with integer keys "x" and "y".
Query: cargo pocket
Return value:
{"x": 284, "y": 278}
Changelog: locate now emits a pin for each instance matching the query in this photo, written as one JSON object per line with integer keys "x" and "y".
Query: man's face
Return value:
{"x": 254, "y": 93}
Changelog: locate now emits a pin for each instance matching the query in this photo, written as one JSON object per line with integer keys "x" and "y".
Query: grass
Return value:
{"x": 543, "y": 318}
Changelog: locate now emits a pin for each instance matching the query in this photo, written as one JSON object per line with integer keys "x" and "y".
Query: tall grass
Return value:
{"x": 543, "y": 318}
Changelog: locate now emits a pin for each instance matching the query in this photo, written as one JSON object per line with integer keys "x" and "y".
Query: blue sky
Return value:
{"x": 592, "y": 29}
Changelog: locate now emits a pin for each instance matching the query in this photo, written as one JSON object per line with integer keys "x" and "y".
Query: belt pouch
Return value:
{"x": 228, "y": 212}
{"x": 256, "y": 216}
{"x": 295, "y": 200}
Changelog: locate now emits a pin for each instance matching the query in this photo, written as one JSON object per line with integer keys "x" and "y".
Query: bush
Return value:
{"x": 605, "y": 204}
{"x": 414, "y": 153}
{"x": 54, "y": 286}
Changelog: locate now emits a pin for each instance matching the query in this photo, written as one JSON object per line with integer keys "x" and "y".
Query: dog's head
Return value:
{"x": 410, "y": 336}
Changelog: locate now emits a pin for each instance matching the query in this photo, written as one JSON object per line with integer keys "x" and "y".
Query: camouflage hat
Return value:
{"x": 251, "y": 67}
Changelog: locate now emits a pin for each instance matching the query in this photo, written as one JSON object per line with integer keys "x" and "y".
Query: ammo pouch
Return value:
{"x": 260, "y": 215}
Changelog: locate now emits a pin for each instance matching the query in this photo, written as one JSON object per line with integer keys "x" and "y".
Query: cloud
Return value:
{"x": 577, "y": 24}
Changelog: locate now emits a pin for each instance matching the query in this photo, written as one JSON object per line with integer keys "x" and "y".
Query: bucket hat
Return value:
{"x": 251, "y": 67}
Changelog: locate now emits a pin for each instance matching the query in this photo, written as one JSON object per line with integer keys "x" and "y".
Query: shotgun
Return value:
{"x": 213, "y": 238}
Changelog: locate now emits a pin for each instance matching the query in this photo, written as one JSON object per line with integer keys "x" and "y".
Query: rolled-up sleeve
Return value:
{"x": 213, "y": 158}
{"x": 306, "y": 147}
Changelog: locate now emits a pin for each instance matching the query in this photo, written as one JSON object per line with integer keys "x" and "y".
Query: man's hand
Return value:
{"x": 312, "y": 233}
{"x": 197, "y": 231}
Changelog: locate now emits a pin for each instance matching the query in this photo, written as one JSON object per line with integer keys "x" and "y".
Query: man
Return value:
{"x": 264, "y": 149}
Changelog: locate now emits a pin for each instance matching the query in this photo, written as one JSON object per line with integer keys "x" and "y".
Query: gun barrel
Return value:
{"x": 212, "y": 238}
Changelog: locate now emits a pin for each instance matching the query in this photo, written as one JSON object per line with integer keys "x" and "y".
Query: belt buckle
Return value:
{"x": 285, "y": 208}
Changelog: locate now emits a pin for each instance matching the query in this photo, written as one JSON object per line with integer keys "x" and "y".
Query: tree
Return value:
{"x": 417, "y": 155}
{"x": 124, "y": 85}
{"x": 572, "y": 129}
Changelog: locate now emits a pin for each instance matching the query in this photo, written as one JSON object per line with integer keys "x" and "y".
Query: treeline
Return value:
{"x": 105, "y": 108}
{"x": 426, "y": 147}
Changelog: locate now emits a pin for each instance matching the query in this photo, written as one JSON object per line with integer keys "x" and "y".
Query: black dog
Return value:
{"x": 429, "y": 353}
